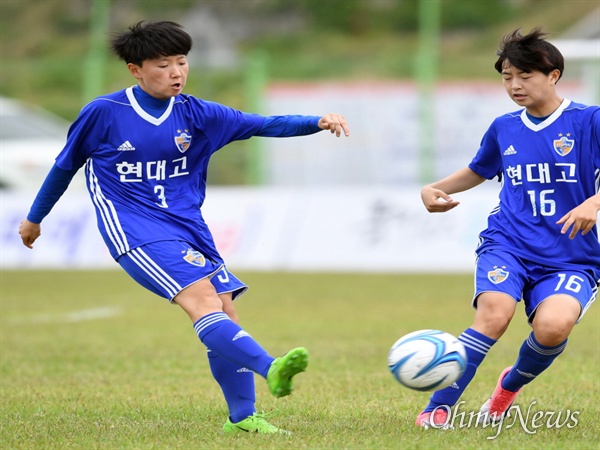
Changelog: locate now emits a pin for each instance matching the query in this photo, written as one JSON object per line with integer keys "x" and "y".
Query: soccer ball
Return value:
{"x": 427, "y": 359}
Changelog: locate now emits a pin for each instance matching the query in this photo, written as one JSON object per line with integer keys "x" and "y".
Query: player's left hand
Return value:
{"x": 335, "y": 124}
{"x": 582, "y": 218}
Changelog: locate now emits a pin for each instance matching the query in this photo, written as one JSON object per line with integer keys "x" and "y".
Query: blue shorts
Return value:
{"x": 499, "y": 271}
{"x": 168, "y": 267}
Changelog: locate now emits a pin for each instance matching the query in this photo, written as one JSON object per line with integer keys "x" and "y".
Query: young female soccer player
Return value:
{"x": 541, "y": 243}
{"x": 146, "y": 151}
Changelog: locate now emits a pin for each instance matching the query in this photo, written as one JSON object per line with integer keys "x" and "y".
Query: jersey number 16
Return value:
{"x": 546, "y": 205}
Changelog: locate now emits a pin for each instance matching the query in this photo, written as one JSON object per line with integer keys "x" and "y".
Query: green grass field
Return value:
{"x": 92, "y": 361}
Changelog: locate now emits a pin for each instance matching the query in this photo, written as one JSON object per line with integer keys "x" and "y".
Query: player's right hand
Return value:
{"x": 29, "y": 232}
{"x": 436, "y": 200}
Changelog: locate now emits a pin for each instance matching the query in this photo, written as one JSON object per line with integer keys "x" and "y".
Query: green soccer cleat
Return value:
{"x": 256, "y": 423}
{"x": 282, "y": 370}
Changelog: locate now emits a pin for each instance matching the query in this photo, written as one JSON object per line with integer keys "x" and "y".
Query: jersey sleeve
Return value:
{"x": 84, "y": 136}
{"x": 52, "y": 189}
{"x": 488, "y": 160}
{"x": 288, "y": 126}
{"x": 595, "y": 138}
{"x": 222, "y": 124}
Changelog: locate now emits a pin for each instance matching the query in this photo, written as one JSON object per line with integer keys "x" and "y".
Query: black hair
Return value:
{"x": 151, "y": 40}
{"x": 529, "y": 53}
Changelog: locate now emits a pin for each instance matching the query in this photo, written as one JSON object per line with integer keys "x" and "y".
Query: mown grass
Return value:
{"x": 136, "y": 377}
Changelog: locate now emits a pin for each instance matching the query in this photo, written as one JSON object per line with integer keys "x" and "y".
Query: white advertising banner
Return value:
{"x": 385, "y": 147}
{"x": 294, "y": 229}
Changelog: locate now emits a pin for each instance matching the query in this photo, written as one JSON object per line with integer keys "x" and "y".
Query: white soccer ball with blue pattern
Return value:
{"x": 427, "y": 360}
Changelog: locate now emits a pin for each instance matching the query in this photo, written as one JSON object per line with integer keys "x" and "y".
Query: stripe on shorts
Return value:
{"x": 144, "y": 262}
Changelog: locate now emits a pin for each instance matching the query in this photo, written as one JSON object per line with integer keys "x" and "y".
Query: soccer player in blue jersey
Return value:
{"x": 146, "y": 151}
{"x": 541, "y": 243}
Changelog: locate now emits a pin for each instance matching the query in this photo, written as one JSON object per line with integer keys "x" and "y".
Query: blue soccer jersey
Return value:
{"x": 160, "y": 162}
{"x": 547, "y": 169}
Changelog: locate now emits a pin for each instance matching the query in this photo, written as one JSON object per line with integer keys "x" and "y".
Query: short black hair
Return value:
{"x": 529, "y": 53}
{"x": 150, "y": 40}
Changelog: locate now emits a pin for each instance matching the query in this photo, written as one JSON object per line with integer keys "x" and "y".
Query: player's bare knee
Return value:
{"x": 493, "y": 315}
{"x": 492, "y": 325}
{"x": 492, "y": 322}
{"x": 197, "y": 301}
{"x": 554, "y": 319}
{"x": 551, "y": 332}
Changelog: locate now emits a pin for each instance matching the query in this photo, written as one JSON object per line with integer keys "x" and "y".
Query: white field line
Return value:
{"x": 69, "y": 317}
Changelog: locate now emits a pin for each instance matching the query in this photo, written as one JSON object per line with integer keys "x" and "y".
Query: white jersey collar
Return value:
{"x": 143, "y": 114}
{"x": 549, "y": 121}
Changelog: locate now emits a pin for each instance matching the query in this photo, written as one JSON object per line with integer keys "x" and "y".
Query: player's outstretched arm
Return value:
{"x": 52, "y": 189}
{"x": 581, "y": 218}
{"x": 29, "y": 232}
{"x": 335, "y": 124}
{"x": 436, "y": 196}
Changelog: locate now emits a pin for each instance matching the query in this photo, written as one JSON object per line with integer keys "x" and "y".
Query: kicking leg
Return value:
{"x": 236, "y": 382}
{"x": 228, "y": 340}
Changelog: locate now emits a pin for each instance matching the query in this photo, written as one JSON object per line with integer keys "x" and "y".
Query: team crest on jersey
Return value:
{"x": 195, "y": 257}
{"x": 564, "y": 145}
{"x": 498, "y": 275}
{"x": 183, "y": 141}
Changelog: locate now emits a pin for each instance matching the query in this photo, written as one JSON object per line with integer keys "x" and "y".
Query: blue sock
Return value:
{"x": 477, "y": 346}
{"x": 228, "y": 340}
{"x": 533, "y": 359}
{"x": 237, "y": 384}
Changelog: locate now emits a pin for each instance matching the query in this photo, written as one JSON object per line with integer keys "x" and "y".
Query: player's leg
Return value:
{"x": 174, "y": 270}
{"x": 554, "y": 304}
{"x": 228, "y": 340}
{"x": 236, "y": 382}
{"x": 177, "y": 272}
{"x": 553, "y": 322}
{"x": 494, "y": 311}
{"x": 498, "y": 287}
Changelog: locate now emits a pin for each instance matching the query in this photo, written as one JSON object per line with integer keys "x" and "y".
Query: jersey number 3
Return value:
{"x": 162, "y": 199}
